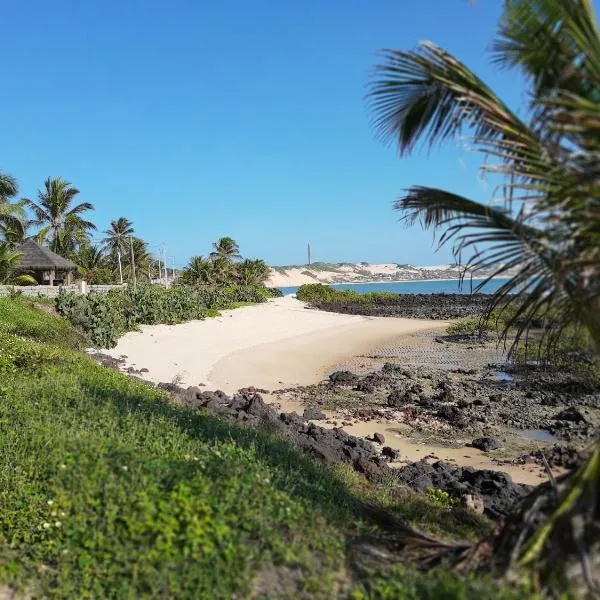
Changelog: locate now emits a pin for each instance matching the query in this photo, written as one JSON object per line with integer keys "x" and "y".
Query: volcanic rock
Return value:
{"x": 485, "y": 444}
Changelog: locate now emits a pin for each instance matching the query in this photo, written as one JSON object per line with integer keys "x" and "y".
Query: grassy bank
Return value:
{"x": 108, "y": 490}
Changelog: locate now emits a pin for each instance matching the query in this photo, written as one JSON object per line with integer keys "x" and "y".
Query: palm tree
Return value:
{"x": 252, "y": 271}
{"x": 140, "y": 258}
{"x": 12, "y": 214}
{"x": 226, "y": 248}
{"x": 91, "y": 262}
{"x": 547, "y": 225}
{"x": 8, "y": 187}
{"x": 9, "y": 264}
{"x": 198, "y": 271}
{"x": 223, "y": 270}
{"x": 117, "y": 239}
{"x": 55, "y": 213}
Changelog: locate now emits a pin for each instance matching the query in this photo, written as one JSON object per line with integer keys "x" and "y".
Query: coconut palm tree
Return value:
{"x": 91, "y": 263}
{"x": 117, "y": 240}
{"x": 198, "y": 271}
{"x": 547, "y": 225}
{"x": 140, "y": 258}
{"x": 252, "y": 271}
{"x": 12, "y": 214}
{"x": 59, "y": 217}
{"x": 9, "y": 266}
{"x": 8, "y": 187}
{"x": 223, "y": 270}
{"x": 226, "y": 248}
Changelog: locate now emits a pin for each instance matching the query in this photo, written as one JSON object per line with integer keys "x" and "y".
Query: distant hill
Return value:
{"x": 320, "y": 272}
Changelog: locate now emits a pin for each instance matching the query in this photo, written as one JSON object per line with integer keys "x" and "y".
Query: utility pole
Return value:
{"x": 166, "y": 266}
{"x": 308, "y": 253}
{"x": 173, "y": 268}
{"x": 132, "y": 263}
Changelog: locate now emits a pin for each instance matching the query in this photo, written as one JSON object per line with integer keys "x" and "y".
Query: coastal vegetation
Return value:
{"x": 58, "y": 220}
{"x": 545, "y": 226}
{"x": 106, "y": 317}
{"x": 109, "y": 489}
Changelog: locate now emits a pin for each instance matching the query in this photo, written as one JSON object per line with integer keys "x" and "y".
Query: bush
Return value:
{"x": 105, "y": 317}
{"x": 319, "y": 292}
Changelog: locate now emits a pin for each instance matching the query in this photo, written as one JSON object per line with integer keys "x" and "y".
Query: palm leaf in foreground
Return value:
{"x": 545, "y": 233}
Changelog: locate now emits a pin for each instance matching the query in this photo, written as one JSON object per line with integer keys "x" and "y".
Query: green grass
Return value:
{"x": 108, "y": 490}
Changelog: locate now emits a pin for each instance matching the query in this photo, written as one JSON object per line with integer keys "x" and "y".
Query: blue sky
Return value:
{"x": 199, "y": 119}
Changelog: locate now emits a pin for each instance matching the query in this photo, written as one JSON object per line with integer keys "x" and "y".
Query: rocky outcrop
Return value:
{"x": 333, "y": 446}
{"x": 496, "y": 489}
{"x": 422, "y": 306}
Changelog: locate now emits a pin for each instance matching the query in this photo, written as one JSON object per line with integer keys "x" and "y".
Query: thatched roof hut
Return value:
{"x": 46, "y": 266}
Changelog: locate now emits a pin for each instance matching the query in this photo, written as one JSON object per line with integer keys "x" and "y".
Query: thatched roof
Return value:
{"x": 37, "y": 258}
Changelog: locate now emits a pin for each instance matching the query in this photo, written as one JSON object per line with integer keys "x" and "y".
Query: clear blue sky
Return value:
{"x": 199, "y": 119}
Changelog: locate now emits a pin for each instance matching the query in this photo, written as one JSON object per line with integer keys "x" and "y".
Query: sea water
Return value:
{"x": 430, "y": 286}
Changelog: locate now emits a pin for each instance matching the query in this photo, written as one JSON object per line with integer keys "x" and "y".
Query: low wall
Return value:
{"x": 49, "y": 291}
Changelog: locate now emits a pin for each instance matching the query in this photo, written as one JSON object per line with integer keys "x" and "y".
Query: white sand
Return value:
{"x": 272, "y": 345}
{"x": 281, "y": 344}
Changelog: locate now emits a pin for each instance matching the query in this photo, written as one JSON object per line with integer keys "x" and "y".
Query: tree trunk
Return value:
{"x": 120, "y": 267}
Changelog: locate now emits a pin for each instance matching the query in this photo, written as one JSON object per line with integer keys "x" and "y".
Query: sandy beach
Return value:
{"x": 272, "y": 345}
{"x": 282, "y": 344}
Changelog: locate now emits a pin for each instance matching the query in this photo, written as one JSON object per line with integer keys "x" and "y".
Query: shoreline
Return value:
{"x": 279, "y": 345}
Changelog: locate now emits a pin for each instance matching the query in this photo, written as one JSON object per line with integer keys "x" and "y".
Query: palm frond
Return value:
{"x": 8, "y": 187}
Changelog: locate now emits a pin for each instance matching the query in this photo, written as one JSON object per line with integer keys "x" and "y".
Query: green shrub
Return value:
{"x": 105, "y": 317}
{"x": 319, "y": 292}
{"x": 405, "y": 583}
{"x": 440, "y": 497}
{"x": 468, "y": 326}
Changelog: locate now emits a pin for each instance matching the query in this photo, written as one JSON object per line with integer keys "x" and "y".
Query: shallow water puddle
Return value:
{"x": 537, "y": 435}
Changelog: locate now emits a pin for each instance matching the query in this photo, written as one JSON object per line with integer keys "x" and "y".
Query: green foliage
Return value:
{"x": 468, "y": 326}
{"x": 321, "y": 293}
{"x": 105, "y": 317}
{"x": 107, "y": 490}
{"x": 440, "y": 497}
{"x": 19, "y": 316}
{"x": 405, "y": 583}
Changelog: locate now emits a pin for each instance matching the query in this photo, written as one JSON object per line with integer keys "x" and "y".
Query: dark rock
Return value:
{"x": 486, "y": 444}
{"x": 365, "y": 386}
{"x": 379, "y": 438}
{"x": 450, "y": 413}
{"x": 570, "y": 414}
{"x": 312, "y": 413}
{"x": 144, "y": 370}
{"x": 191, "y": 397}
{"x": 343, "y": 378}
{"x": 426, "y": 402}
{"x": 368, "y": 467}
{"x": 172, "y": 388}
{"x": 390, "y": 452}
{"x": 396, "y": 399}
{"x": 498, "y": 491}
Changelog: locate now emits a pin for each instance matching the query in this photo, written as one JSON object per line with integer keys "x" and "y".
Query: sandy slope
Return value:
{"x": 353, "y": 272}
{"x": 272, "y": 345}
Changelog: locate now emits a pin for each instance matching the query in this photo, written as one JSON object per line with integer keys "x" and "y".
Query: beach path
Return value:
{"x": 277, "y": 344}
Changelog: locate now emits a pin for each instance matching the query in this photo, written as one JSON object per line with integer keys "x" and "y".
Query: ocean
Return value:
{"x": 430, "y": 286}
